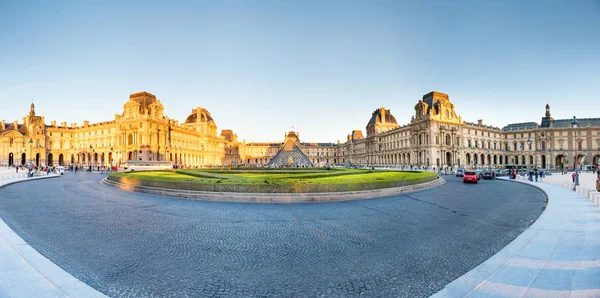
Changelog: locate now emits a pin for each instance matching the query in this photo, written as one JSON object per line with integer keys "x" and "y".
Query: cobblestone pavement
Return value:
{"x": 131, "y": 244}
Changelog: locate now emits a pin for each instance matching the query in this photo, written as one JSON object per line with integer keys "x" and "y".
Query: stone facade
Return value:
{"x": 435, "y": 137}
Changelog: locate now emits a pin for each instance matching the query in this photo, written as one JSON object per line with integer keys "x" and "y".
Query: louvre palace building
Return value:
{"x": 435, "y": 137}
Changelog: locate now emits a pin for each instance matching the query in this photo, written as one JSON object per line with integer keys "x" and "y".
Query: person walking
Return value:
{"x": 536, "y": 175}
{"x": 573, "y": 177}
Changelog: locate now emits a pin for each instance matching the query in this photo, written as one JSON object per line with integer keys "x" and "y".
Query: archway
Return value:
{"x": 23, "y": 158}
{"x": 72, "y": 158}
{"x": 595, "y": 160}
{"x": 10, "y": 159}
{"x": 37, "y": 159}
{"x": 448, "y": 158}
{"x": 61, "y": 160}
{"x": 482, "y": 159}
{"x": 495, "y": 159}
{"x": 543, "y": 161}
{"x": 475, "y": 157}
{"x": 489, "y": 159}
{"x": 468, "y": 156}
{"x": 501, "y": 160}
{"x": 130, "y": 155}
{"x": 560, "y": 161}
{"x": 580, "y": 160}
{"x": 50, "y": 160}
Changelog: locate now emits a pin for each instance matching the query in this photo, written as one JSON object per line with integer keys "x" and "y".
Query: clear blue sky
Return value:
{"x": 261, "y": 67}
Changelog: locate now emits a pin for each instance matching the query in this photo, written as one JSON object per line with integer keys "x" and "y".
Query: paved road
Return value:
{"x": 130, "y": 244}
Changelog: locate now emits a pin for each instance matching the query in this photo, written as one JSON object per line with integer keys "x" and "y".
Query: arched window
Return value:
{"x": 447, "y": 114}
{"x": 448, "y": 140}
{"x": 130, "y": 139}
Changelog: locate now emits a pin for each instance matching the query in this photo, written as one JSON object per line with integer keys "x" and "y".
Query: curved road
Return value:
{"x": 132, "y": 244}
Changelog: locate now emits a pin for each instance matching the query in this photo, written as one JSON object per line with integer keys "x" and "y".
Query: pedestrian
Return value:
{"x": 536, "y": 175}
{"x": 598, "y": 184}
{"x": 573, "y": 177}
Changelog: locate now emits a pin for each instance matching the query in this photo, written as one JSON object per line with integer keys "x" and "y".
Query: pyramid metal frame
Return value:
{"x": 290, "y": 155}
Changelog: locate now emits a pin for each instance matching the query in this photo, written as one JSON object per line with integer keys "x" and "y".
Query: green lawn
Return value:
{"x": 284, "y": 180}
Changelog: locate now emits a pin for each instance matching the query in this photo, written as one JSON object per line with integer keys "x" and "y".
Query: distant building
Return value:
{"x": 435, "y": 137}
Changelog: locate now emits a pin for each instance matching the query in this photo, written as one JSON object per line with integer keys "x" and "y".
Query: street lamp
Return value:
{"x": 31, "y": 151}
{"x": 529, "y": 150}
{"x": 575, "y": 162}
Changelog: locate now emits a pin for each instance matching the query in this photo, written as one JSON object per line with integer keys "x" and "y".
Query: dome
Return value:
{"x": 199, "y": 115}
{"x": 382, "y": 116}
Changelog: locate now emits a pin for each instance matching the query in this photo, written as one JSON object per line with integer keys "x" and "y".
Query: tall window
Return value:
{"x": 579, "y": 145}
{"x": 130, "y": 139}
{"x": 448, "y": 140}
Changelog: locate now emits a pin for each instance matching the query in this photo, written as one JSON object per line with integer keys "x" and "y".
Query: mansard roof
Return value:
{"x": 582, "y": 122}
{"x": 520, "y": 126}
{"x": 376, "y": 117}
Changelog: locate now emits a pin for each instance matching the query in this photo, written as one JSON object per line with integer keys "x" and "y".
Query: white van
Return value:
{"x": 141, "y": 165}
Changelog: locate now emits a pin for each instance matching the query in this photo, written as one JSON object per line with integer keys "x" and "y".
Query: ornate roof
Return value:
{"x": 382, "y": 114}
{"x": 199, "y": 115}
{"x": 144, "y": 99}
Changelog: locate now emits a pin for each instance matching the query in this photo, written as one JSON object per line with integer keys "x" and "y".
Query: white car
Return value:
{"x": 59, "y": 170}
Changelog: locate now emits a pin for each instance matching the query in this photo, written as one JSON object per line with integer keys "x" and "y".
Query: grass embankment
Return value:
{"x": 274, "y": 180}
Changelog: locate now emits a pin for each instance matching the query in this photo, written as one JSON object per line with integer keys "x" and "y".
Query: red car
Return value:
{"x": 470, "y": 176}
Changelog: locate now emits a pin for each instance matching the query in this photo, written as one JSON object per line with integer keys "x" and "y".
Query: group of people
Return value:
{"x": 532, "y": 174}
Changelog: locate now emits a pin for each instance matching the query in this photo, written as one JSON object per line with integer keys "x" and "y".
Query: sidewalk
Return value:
{"x": 26, "y": 273}
{"x": 558, "y": 256}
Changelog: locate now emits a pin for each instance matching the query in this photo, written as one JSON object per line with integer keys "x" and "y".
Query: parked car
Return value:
{"x": 470, "y": 176}
{"x": 488, "y": 175}
{"x": 460, "y": 173}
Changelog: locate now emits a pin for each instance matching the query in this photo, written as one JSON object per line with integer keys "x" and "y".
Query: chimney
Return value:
{"x": 63, "y": 124}
{"x": 86, "y": 123}
{"x": 53, "y": 123}
{"x": 3, "y": 126}
{"x": 480, "y": 122}
{"x": 382, "y": 113}
{"x": 74, "y": 125}
{"x": 16, "y": 124}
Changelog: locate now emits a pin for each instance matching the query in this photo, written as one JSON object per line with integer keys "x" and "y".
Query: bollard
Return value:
{"x": 596, "y": 198}
{"x": 588, "y": 192}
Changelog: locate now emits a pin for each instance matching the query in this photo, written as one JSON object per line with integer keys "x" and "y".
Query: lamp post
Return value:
{"x": 31, "y": 151}
{"x": 575, "y": 162}
{"x": 111, "y": 158}
{"x": 529, "y": 150}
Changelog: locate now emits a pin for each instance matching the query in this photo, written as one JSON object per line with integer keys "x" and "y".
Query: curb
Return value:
{"x": 44, "y": 278}
{"x": 28, "y": 179}
{"x": 275, "y": 197}
{"x": 521, "y": 182}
